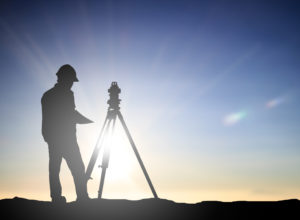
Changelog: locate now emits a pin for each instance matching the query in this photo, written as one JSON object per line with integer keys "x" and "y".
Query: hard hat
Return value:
{"x": 67, "y": 72}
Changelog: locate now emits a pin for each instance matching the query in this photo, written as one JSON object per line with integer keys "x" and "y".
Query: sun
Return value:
{"x": 121, "y": 156}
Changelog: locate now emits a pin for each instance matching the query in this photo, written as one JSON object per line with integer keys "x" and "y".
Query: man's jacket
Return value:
{"x": 59, "y": 115}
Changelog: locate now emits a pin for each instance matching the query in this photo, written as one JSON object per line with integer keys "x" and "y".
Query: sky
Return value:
{"x": 210, "y": 94}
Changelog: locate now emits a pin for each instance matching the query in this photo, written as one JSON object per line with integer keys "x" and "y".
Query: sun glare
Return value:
{"x": 120, "y": 164}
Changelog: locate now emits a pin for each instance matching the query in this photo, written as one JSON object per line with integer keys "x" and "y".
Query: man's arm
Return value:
{"x": 46, "y": 117}
{"x": 80, "y": 119}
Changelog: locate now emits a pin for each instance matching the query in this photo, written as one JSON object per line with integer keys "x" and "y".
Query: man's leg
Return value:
{"x": 76, "y": 165}
{"x": 55, "y": 159}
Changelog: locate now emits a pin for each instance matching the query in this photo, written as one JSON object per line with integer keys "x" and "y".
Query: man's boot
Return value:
{"x": 59, "y": 200}
{"x": 82, "y": 197}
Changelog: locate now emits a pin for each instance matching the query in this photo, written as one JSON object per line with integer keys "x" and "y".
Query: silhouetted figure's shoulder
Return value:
{"x": 48, "y": 94}
{"x": 57, "y": 92}
{"x": 59, "y": 99}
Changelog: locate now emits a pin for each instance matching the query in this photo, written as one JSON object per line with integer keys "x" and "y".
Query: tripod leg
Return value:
{"x": 137, "y": 154}
{"x": 105, "y": 159}
{"x": 101, "y": 183}
{"x": 96, "y": 151}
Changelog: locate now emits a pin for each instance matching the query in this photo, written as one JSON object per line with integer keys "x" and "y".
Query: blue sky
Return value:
{"x": 210, "y": 88}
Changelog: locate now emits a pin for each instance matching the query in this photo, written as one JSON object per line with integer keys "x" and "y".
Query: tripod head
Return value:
{"x": 114, "y": 100}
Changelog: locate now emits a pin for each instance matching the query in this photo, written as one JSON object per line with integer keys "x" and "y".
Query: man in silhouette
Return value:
{"x": 59, "y": 131}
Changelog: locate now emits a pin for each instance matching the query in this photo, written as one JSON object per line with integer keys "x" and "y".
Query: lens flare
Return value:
{"x": 274, "y": 102}
{"x": 233, "y": 118}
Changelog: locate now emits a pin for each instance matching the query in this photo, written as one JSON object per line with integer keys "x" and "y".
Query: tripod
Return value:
{"x": 108, "y": 130}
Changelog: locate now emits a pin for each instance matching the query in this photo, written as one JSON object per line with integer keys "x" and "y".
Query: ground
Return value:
{"x": 19, "y": 208}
